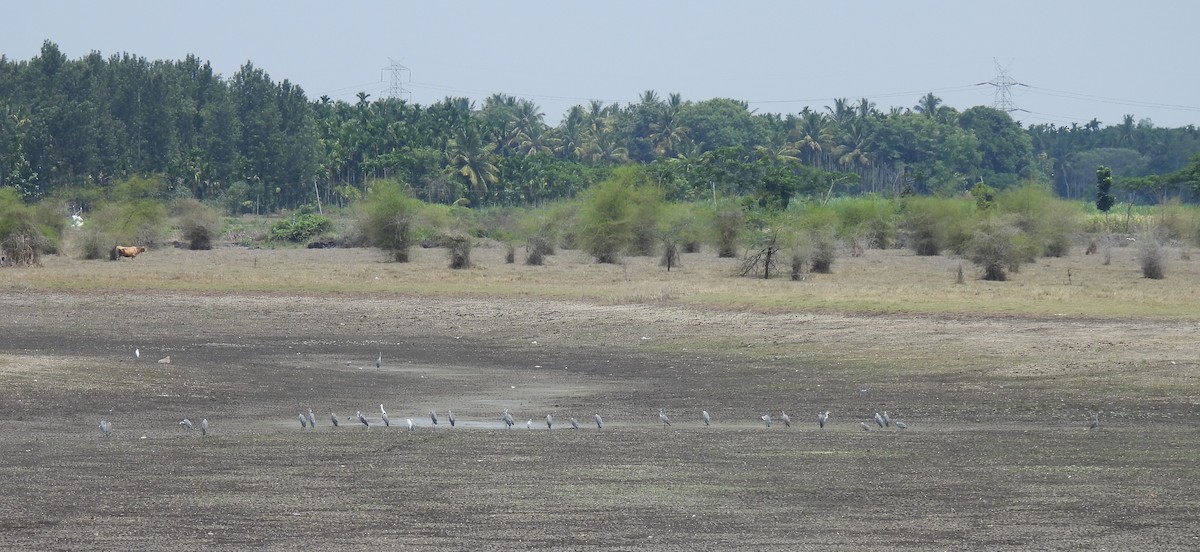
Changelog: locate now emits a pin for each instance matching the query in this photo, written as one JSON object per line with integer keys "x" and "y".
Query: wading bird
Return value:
{"x": 704, "y": 416}
{"x": 333, "y": 418}
{"x": 303, "y": 421}
{"x": 879, "y": 420}
{"x": 410, "y": 424}
{"x": 662, "y": 417}
{"x": 312, "y": 419}
{"x": 901, "y": 425}
{"x": 105, "y": 428}
{"x": 599, "y": 422}
{"x": 787, "y": 420}
{"x": 186, "y": 424}
{"x": 529, "y": 423}
{"x": 450, "y": 416}
{"x": 1095, "y": 423}
{"x": 887, "y": 420}
{"x": 379, "y": 360}
{"x": 864, "y": 426}
{"x": 549, "y": 422}
{"x": 433, "y": 416}
{"x": 822, "y": 417}
{"x": 362, "y": 419}
{"x": 507, "y": 419}
{"x": 574, "y": 424}
{"x": 383, "y": 414}
{"x": 204, "y": 427}
{"x": 766, "y": 418}
{"x": 137, "y": 353}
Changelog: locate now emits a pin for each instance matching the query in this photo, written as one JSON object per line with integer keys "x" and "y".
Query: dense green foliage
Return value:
{"x": 300, "y": 227}
{"x": 389, "y": 217}
{"x": 71, "y": 128}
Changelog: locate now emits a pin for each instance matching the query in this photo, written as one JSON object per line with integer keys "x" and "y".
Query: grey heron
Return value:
{"x": 822, "y": 417}
{"x": 599, "y": 422}
{"x": 450, "y": 416}
{"x": 766, "y": 418}
{"x": 549, "y": 422}
{"x": 574, "y": 424}
{"x": 704, "y": 416}
{"x": 362, "y": 419}
{"x": 186, "y": 424}
{"x": 1095, "y": 422}
{"x": 379, "y": 360}
{"x": 410, "y": 424}
{"x": 901, "y": 425}
{"x": 303, "y": 421}
{"x": 333, "y": 418}
{"x": 383, "y": 414}
{"x": 312, "y": 419}
{"x": 787, "y": 420}
{"x": 529, "y": 423}
{"x": 863, "y": 426}
{"x": 878, "y": 420}
{"x": 433, "y": 416}
{"x": 137, "y": 353}
{"x": 662, "y": 417}
{"x": 105, "y": 428}
{"x": 887, "y": 420}
{"x": 507, "y": 419}
{"x": 204, "y": 427}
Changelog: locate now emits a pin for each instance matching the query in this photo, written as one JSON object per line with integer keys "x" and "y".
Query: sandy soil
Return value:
{"x": 998, "y": 455}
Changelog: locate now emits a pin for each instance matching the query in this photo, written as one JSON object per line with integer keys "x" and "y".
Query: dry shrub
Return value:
{"x": 199, "y": 224}
{"x": 1152, "y": 256}
{"x": 824, "y": 252}
{"x": 23, "y": 247}
{"x": 670, "y": 256}
{"x": 799, "y": 260}
{"x": 534, "y": 256}
{"x": 510, "y": 253}
{"x": 459, "y": 249}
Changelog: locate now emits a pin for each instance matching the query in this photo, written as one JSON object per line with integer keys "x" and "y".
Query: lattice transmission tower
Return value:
{"x": 1003, "y": 84}
{"x": 399, "y": 76}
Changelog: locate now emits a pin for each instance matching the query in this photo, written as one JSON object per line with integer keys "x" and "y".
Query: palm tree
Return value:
{"x": 815, "y": 136}
{"x": 570, "y": 134}
{"x": 1126, "y": 136}
{"x": 471, "y": 159}
{"x": 666, "y": 133}
{"x": 928, "y": 105}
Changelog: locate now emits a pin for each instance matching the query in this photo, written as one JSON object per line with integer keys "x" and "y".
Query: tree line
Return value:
{"x": 70, "y": 128}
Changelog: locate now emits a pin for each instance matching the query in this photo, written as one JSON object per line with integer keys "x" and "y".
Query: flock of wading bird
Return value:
{"x": 309, "y": 420}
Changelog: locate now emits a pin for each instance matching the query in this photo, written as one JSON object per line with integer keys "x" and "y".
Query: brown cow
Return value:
{"x": 132, "y": 251}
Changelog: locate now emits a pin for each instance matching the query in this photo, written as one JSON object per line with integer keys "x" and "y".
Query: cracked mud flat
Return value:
{"x": 997, "y": 457}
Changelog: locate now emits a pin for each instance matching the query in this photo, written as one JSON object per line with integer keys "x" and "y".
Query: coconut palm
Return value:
{"x": 470, "y": 158}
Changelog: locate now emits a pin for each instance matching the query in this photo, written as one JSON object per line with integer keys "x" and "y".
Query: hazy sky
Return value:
{"x": 1078, "y": 59}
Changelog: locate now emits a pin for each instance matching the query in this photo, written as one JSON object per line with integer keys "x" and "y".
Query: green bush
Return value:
{"x": 299, "y": 228}
{"x": 390, "y": 218}
{"x": 132, "y": 222}
{"x": 1049, "y": 223}
{"x": 608, "y": 215}
{"x": 869, "y": 218}
{"x": 998, "y": 246}
{"x": 934, "y": 224}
